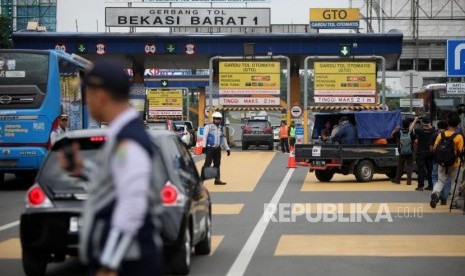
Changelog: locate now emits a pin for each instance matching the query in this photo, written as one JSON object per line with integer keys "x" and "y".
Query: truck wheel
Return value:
{"x": 364, "y": 171}
{"x": 2, "y": 178}
{"x": 244, "y": 146}
{"x": 324, "y": 176}
{"x": 34, "y": 264}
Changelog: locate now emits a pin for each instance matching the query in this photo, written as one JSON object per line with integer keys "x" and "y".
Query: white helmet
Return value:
{"x": 217, "y": 115}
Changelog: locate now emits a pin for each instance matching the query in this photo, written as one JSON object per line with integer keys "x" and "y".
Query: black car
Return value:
{"x": 257, "y": 132}
{"x": 51, "y": 221}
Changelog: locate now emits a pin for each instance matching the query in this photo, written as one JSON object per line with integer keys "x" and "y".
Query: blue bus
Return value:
{"x": 35, "y": 88}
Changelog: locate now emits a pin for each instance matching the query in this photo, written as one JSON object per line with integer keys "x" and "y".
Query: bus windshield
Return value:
{"x": 23, "y": 69}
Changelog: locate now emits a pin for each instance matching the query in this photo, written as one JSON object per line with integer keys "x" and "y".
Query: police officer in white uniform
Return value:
{"x": 119, "y": 234}
{"x": 61, "y": 129}
{"x": 213, "y": 141}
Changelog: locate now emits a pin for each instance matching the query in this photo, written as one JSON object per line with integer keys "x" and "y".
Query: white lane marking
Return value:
{"x": 243, "y": 259}
{"x": 9, "y": 225}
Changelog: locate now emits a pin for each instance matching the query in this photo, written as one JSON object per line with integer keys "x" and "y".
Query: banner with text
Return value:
{"x": 187, "y": 17}
{"x": 345, "y": 82}
{"x": 165, "y": 102}
{"x": 330, "y": 18}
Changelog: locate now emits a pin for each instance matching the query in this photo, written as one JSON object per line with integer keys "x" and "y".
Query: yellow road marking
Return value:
{"x": 241, "y": 170}
{"x": 216, "y": 241}
{"x": 10, "y": 249}
{"x": 401, "y": 209}
{"x": 371, "y": 245}
{"x": 348, "y": 183}
{"x": 227, "y": 209}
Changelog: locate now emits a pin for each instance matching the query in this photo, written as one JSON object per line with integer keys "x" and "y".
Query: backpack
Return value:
{"x": 445, "y": 151}
{"x": 405, "y": 143}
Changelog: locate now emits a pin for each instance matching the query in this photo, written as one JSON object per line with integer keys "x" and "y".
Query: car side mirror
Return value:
{"x": 209, "y": 173}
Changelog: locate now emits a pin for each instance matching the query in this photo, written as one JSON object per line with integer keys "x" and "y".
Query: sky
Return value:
{"x": 88, "y": 14}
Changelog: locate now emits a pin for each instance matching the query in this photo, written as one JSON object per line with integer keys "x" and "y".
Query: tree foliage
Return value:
{"x": 5, "y": 32}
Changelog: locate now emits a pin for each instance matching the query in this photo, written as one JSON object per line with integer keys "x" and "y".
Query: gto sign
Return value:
{"x": 334, "y": 18}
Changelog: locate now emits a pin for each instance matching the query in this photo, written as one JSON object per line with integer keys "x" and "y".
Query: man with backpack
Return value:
{"x": 405, "y": 140}
{"x": 441, "y": 127}
{"x": 424, "y": 156}
{"x": 448, "y": 149}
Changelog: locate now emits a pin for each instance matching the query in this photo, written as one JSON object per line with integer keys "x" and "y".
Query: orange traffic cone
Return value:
{"x": 291, "y": 161}
{"x": 198, "y": 150}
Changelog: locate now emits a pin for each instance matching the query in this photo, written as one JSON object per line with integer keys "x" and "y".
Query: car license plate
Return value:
{"x": 8, "y": 163}
{"x": 75, "y": 224}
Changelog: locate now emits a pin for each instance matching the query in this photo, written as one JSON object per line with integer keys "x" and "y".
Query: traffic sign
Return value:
{"x": 296, "y": 111}
{"x": 170, "y": 48}
{"x": 415, "y": 103}
{"x": 164, "y": 83}
{"x": 100, "y": 49}
{"x": 455, "y": 58}
{"x": 150, "y": 49}
{"x": 81, "y": 47}
{"x": 345, "y": 50}
{"x": 60, "y": 47}
{"x": 190, "y": 49}
{"x": 411, "y": 81}
{"x": 456, "y": 88}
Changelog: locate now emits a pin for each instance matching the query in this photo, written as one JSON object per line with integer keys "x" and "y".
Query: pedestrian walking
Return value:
{"x": 213, "y": 141}
{"x": 448, "y": 149}
{"x": 424, "y": 156}
{"x": 283, "y": 137}
{"x": 441, "y": 127}
{"x": 404, "y": 138}
{"x": 61, "y": 129}
{"x": 119, "y": 234}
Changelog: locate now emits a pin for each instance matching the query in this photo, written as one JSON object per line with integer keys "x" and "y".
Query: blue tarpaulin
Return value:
{"x": 369, "y": 124}
{"x": 376, "y": 124}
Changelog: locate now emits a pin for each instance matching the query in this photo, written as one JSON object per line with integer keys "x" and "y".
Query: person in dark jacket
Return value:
{"x": 346, "y": 134}
{"x": 424, "y": 156}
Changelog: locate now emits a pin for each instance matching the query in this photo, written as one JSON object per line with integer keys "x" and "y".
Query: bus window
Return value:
{"x": 71, "y": 94}
{"x": 23, "y": 79}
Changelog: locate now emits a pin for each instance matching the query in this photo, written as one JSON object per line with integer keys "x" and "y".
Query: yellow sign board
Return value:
{"x": 334, "y": 18}
{"x": 245, "y": 78}
{"x": 345, "y": 79}
{"x": 165, "y": 102}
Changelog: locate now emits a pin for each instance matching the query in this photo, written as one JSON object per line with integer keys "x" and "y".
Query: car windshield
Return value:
{"x": 57, "y": 180}
{"x": 157, "y": 126}
{"x": 258, "y": 124}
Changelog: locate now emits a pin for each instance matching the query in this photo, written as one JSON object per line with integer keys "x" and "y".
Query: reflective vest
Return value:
{"x": 292, "y": 132}
{"x": 283, "y": 132}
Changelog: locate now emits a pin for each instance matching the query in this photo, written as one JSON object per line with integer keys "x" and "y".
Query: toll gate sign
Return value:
{"x": 345, "y": 83}
{"x": 249, "y": 83}
{"x": 187, "y": 17}
{"x": 164, "y": 102}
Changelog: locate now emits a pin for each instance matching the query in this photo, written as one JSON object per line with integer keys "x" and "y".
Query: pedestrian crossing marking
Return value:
{"x": 10, "y": 249}
{"x": 347, "y": 183}
{"x": 242, "y": 171}
{"x": 227, "y": 209}
{"x": 371, "y": 245}
{"x": 216, "y": 241}
{"x": 400, "y": 209}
